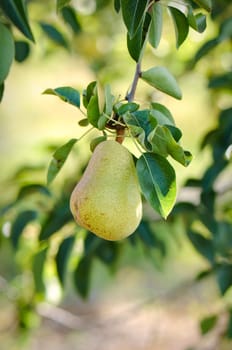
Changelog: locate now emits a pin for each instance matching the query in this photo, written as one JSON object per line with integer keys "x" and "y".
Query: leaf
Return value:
{"x": 133, "y": 12}
{"x": 62, "y": 257}
{"x": 181, "y": 25}
{"x": 229, "y": 326}
{"x": 117, "y": 5}
{"x": 208, "y": 323}
{"x": 163, "y": 80}
{"x": 156, "y": 25}
{"x": 96, "y": 141}
{"x": 145, "y": 234}
{"x": 224, "y": 277}
{"x": 203, "y": 245}
{"x": 158, "y": 182}
{"x": 134, "y": 45}
{"x": 82, "y": 276}
{"x": 140, "y": 123}
{"x": 83, "y": 122}
{"x": 66, "y": 94}
{"x": 107, "y": 252}
{"x": 109, "y": 98}
{"x": 102, "y": 121}
{"x": 7, "y": 51}
{"x": 205, "y": 4}
{"x": 1, "y": 90}
{"x": 58, "y": 160}
{"x": 197, "y": 22}
{"x": 59, "y": 216}
{"x": 22, "y": 50}
{"x": 19, "y": 225}
{"x": 162, "y": 114}
{"x": 205, "y": 49}
{"x": 128, "y": 107}
{"x": 61, "y": 3}
{"x": 38, "y": 268}
{"x": 221, "y": 81}
{"x": 164, "y": 144}
{"x": 89, "y": 92}
{"x": 226, "y": 29}
{"x": 54, "y": 34}
{"x": 93, "y": 112}
{"x": 32, "y": 189}
{"x": 15, "y": 10}
{"x": 69, "y": 16}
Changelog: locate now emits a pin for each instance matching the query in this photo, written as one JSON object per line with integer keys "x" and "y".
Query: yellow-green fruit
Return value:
{"x": 107, "y": 199}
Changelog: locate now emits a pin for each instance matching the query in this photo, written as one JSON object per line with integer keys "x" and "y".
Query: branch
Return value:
{"x": 131, "y": 94}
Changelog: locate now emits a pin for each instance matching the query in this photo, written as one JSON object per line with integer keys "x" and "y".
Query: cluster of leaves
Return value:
{"x": 141, "y": 17}
{"x": 154, "y": 128}
{"x": 209, "y": 224}
{"x": 14, "y": 14}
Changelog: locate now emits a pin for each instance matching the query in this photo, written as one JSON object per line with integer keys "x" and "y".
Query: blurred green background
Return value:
{"x": 143, "y": 301}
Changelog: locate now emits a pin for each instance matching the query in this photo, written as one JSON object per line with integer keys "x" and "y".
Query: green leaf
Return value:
{"x": 197, "y": 22}
{"x": 82, "y": 276}
{"x": 226, "y": 29}
{"x": 83, "y": 122}
{"x": 133, "y": 12}
{"x": 205, "y": 4}
{"x": 117, "y": 5}
{"x": 203, "y": 245}
{"x": 1, "y": 90}
{"x": 7, "y": 51}
{"x": 164, "y": 144}
{"x": 15, "y": 10}
{"x": 32, "y": 190}
{"x": 135, "y": 43}
{"x": 66, "y": 94}
{"x": 89, "y": 92}
{"x": 181, "y": 25}
{"x": 229, "y": 327}
{"x": 19, "y": 225}
{"x": 224, "y": 277}
{"x": 70, "y": 17}
{"x": 61, "y": 3}
{"x": 38, "y": 268}
{"x": 109, "y": 99}
{"x": 140, "y": 123}
{"x": 59, "y": 216}
{"x": 205, "y": 49}
{"x": 128, "y": 107}
{"x": 58, "y": 160}
{"x": 102, "y": 121}
{"x": 158, "y": 182}
{"x": 54, "y": 34}
{"x": 156, "y": 25}
{"x": 107, "y": 252}
{"x": 223, "y": 81}
{"x": 96, "y": 141}
{"x": 208, "y": 323}
{"x": 163, "y": 80}
{"x": 162, "y": 114}
{"x": 93, "y": 112}
{"x": 22, "y": 50}
{"x": 62, "y": 257}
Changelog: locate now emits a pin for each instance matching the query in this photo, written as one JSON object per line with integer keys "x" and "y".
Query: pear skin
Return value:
{"x": 107, "y": 199}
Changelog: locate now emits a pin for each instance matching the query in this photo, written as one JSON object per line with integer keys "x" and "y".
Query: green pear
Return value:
{"x": 107, "y": 199}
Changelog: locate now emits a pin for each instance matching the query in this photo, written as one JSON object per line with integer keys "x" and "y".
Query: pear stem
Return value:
{"x": 120, "y": 135}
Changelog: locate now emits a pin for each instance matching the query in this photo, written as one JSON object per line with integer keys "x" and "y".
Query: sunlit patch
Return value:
{"x": 85, "y": 7}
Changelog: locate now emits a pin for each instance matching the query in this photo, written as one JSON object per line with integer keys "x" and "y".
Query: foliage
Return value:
{"x": 153, "y": 130}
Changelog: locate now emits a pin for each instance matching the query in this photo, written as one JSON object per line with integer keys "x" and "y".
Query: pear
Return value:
{"x": 107, "y": 199}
